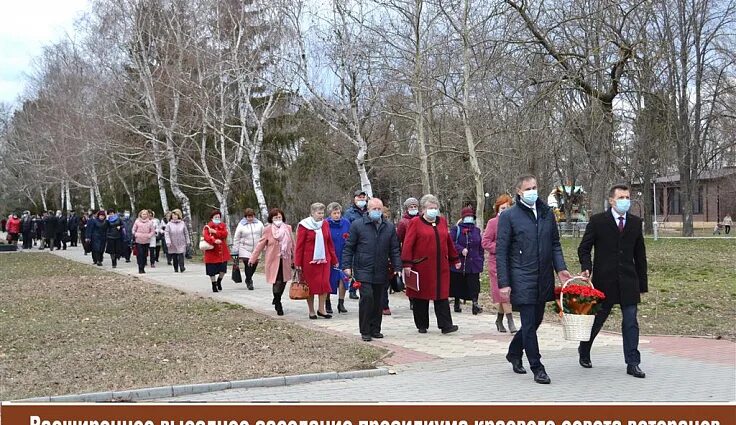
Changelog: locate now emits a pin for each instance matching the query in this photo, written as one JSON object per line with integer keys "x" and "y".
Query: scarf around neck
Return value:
{"x": 319, "y": 241}
{"x": 284, "y": 239}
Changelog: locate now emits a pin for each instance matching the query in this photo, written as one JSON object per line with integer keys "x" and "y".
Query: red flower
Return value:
{"x": 356, "y": 284}
{"x": 466, "y": 230}
{"x": 345, "y": 236}
{"x": 579, "y": 299}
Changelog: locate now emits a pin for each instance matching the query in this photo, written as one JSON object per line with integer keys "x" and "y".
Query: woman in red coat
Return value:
{"x": 427, "y": 254}
{"x": 313, "y": 256}
{"x": 215, "y": 259}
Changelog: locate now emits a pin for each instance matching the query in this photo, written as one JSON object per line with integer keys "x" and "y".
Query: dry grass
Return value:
{"x": 69, "y": 328}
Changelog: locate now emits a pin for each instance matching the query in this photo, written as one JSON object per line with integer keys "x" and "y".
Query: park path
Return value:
{"x": 469, "y": 365}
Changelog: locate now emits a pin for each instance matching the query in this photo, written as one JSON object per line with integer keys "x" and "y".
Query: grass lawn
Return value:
{"x": 692, "y": 288}
{"x": 68, "y": 328}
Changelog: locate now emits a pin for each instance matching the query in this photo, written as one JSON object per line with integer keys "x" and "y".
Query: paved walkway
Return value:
{"x": 469, "y": 364}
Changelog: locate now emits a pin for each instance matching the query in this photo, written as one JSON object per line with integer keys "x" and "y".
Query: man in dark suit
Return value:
{"x": 528, "y": 253}
{"x": 619, "y": 271}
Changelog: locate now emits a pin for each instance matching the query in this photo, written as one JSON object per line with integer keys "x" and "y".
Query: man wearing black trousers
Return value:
{"x": 528, "y": 252}
{"x": 619, "y": 271}
{"x": 371, "y": 247}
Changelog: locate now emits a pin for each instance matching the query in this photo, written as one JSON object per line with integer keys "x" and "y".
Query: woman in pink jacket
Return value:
{"x": 489, "y": 244}
{"x": 279, "y": 245}
{"x": 143, "y": 231}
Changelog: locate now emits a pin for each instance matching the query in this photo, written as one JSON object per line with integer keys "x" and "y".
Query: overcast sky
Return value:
{"x": 26, "y": 26}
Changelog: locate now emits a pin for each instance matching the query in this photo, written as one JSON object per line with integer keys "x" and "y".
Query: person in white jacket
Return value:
{"x": 247, "y": 235}
{"x": 154, "y": 244}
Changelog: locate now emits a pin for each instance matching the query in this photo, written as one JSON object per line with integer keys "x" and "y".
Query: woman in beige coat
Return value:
{"x": 279, "y": 246}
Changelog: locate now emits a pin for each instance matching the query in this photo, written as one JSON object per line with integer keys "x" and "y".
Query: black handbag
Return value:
{"x": 397, "y": 283}
{"x": 236, "y": 276}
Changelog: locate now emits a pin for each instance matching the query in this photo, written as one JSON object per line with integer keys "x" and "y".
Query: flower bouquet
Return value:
{"x": 577, "y": 306}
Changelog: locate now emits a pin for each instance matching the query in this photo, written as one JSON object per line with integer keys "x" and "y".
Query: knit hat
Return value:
{"x": 410, "y": 201}
{"x": 467, "y": 212}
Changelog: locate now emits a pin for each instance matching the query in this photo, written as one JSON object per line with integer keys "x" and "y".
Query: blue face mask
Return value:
{"x": 375, "y": 215}
{"x": 216, "y": 220}
{"x": 530, "y": 196}
{"x": 468, "y": 220}
{"x": 432, "y": 213}
{"x": 413, "y": 211}
{"x": 361, "y": 204}
{"x": 623, "y": 205}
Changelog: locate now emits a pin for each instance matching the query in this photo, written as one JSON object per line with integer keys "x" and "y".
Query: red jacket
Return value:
{"x": 220, "y": 253}
{"x": 429, "y": 251}
{"x": 13, "y": 225}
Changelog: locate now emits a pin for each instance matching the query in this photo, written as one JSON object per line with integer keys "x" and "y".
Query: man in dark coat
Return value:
{"x": 357, "y": 210}
{"x": 50, "y": 226}
{"x": 528, "y": 253}
{"x": 619, "y": 271}
{"x": 73, "y": 225}
{"x": 26, "y": 228}
{"x": 128, "y": 236}
{"x": 61, "y": 230}
{"x": 96, "y": 237}
{"x": 371, "y": 245}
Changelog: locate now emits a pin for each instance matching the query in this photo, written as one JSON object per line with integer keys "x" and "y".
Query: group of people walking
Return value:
{"x": 360, "y": 250}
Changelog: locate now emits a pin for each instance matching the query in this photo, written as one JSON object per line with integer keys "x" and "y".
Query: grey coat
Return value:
{"x": 370, "y": 249}
{"x": 528, "y": 252}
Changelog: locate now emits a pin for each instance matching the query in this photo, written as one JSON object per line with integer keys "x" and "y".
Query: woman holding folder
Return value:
{"x": 427, "y": 254}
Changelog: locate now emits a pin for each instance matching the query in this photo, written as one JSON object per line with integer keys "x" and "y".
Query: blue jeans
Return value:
{"x": 526, "y": 339}
{"x": 629, "y": 331}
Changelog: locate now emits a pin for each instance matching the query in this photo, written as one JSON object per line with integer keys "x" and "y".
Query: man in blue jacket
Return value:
{"x": 357, "y": 210}
{"x": 528, "y": 253}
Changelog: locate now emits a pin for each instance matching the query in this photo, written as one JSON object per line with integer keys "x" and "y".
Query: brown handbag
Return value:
{"x": 298, "y": 289}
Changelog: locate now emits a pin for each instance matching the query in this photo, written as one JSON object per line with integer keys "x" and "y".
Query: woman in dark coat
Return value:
{"x": 465, "y": 282}
{"x": 427, "y": 254}
{"x": 114, "y": 230}
{"x": 96, "y": 237}
{"x": 50, "y": 227}
{"x": 83, "y": 233}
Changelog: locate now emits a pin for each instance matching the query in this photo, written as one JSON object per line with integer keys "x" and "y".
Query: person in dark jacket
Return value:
{"x": 37, "y": 230}
{"x": 528, "y": 252}
{"x": 371, "y": 247}
{"x": 96, "y": 237}
{"x": 357, "y": 210}
{"x": 61, "y": 230}
{"x": 26, "y": 229}
{"x": 114, "y": 231}
{"x": 127, "y": 236}
{"x": 73, "y": 225}
{"x": 339, "y": 231}
{"x": 50, "y": 226}
{"x": 83, "y": 232}
{"x": 465, "y": 283}
{"x": 619, "y": 271}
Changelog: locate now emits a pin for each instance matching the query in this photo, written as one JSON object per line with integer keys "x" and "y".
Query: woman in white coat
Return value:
{"x": 245, "y": 239}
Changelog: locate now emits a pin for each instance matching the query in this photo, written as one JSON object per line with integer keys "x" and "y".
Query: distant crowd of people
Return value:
{"x": 360, "y": 252}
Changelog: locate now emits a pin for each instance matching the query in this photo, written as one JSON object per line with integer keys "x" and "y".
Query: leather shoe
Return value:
{"x": 377, "y": 335}
{"x": 366, "y": 338}
{"x": 634, "y": 371}
{"x": 516, "y": 365}
{"x": 450, "y": 330}
{"x": 541, "y": 377}
{"x": 422, "y": 330}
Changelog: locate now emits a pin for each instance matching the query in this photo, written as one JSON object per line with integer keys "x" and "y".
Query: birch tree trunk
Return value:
{"x": 43, "y": 199}
{"x": 91, "y": 198}
{"x": 68, "y": 198}
{"x": 160, "y": 180}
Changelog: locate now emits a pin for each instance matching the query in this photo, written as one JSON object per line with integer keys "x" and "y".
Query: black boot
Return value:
{"x": 457, "y": 306}
{"x": 341, "y": 306}
{"x": 279, "y": 308}
{"x": 328, "y": 306}
{"x": 477, "y": 309}
{"x": 219, "y": 284}
{"x": 214, "y": 286}
{"x": 499, "y": 323}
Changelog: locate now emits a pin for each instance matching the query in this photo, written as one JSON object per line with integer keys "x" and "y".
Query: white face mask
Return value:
{"x": 277, "y": 223}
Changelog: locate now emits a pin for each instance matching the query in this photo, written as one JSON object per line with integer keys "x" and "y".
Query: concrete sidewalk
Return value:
{"x": 469, "y": 365}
